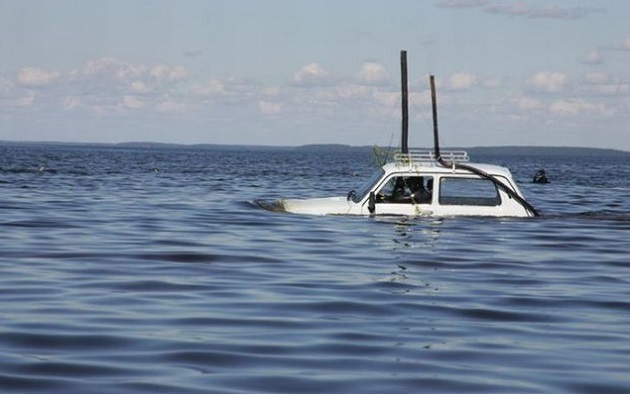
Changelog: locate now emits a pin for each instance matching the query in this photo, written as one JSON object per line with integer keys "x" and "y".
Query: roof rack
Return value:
{"x": 425, "y": 156}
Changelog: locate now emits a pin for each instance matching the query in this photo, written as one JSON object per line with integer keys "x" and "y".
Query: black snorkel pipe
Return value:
{"x": 436, "y": 139}
{"x": 404, "y": 143}
{"x": 476, "y": 171}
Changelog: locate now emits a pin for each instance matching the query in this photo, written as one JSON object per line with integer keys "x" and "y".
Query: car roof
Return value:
{"x": 436, "y": 168}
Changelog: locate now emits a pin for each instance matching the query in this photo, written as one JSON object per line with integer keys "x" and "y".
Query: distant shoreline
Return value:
{"x": 475, "y": 150}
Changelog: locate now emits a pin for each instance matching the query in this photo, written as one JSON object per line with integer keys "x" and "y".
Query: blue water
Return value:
{"x": 128, "y": 270}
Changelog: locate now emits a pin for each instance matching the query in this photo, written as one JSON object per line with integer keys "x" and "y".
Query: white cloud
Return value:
{"x": 624, "y": 45}
{"x": 461, "y": 81}
{"x": 170, "y": 105}
{"x": 113, "y": 89}
{"x": 521, "y": 9}
{"x": 159, "y": 71}
{"x": 132, "y": 102}
{"x": 139, "y": 87}
{"x": 310, "y": 74}
{"x": 613, "y": 89}
{"x": 596, "y": 78}
{"x": 352, "y": 90}
{"x": 71, "y": 102}
{"x": 32, "y": 76}
{"x": 548, "y": 82}
{"x": 527, "y": 103}
{"x": 575, "y": 107}
{"x": 269, "y": 108}
{"x": 529, "y": 11}
{"x": 111, "y": 68}
{"x": 166, "y": 73}
{"x": 106, "y": 85}
{"x": 123, "y": 70}
{"x": 214, "y": 87}
{"x": 373, "y": 73}
{"x": 271, "y": 91}
{"x": 462, "y": 3}
{"x": 604, "y": 85}
{"x": 492, "y": 83}
{"x": 26, "y": 101}
{"x": 96, "y": 66}
{"x": 517, "y": 9}
{"x": 6, "y": 85}
{"x": 592, "y": 57}
{"x": 389, "y": 99}
{"x": 177, "y": 73}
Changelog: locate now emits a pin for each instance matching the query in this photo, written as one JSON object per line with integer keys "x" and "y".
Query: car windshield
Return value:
{"x": 367, "y": 186}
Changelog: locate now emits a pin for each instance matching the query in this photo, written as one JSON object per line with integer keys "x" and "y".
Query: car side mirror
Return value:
{"x": 372, "y": 202}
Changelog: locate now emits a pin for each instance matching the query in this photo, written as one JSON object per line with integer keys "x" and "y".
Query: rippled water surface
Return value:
{"x": 127, "y": 270}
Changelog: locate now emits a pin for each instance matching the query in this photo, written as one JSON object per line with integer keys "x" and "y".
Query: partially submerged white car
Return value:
{"x": 416, "y": 184}
{"x": 424, "y": 183}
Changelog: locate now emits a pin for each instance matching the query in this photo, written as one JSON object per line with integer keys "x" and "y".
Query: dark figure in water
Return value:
{"x": 541, "y": 177}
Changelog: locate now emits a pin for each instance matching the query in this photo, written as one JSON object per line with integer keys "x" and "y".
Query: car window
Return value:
{"x": 468, "y": 191}
{"x": 406, "y": 190}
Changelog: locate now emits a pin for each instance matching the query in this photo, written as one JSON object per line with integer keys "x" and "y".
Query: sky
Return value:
{"x": 296, "y": 72}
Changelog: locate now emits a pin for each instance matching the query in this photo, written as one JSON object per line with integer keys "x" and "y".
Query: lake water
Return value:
{"x": 128, "y": 270}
